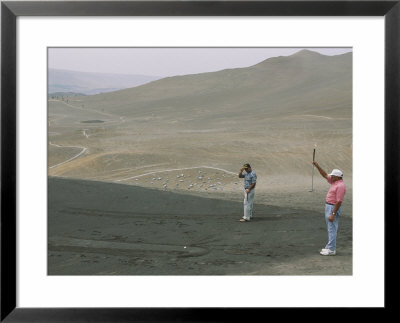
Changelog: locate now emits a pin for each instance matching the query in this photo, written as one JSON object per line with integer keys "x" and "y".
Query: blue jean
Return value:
{"x": 332, "y": 226}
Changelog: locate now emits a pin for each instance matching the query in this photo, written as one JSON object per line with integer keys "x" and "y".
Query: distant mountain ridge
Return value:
{"x": 304, "y": 83}
{"x": 58, "y": 95}
{"x": 66, "y": 81}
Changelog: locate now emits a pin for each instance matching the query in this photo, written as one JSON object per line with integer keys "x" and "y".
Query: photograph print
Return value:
{"x": 200, "y": 161}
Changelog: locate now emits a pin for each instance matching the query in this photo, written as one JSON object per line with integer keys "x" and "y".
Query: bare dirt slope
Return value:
{"x": 98, "y": 228}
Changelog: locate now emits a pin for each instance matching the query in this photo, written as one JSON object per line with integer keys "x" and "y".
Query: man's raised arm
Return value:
{"x": 321, "y": 171}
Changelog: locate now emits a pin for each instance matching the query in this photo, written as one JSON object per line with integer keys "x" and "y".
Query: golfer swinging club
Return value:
{"x": 333, "y": 207}
{"x": 250, "y": 179}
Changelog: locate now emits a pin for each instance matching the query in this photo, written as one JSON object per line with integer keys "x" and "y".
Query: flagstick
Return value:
{"x": 312, "y": 177}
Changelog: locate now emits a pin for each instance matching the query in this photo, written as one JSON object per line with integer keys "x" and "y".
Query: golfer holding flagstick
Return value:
{"x": 333, "y": 207}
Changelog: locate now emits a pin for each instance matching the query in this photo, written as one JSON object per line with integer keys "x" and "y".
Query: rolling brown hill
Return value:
{"x": 304, "y": 83}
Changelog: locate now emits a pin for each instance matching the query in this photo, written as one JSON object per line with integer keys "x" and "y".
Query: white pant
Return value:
{"x": 248, "y": 204}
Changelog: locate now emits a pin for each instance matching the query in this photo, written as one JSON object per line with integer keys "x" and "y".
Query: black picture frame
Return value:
{"x": 11, "y": 10}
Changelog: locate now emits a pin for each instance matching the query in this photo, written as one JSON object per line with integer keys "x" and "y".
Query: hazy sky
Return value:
{"x": 166, "y": 61}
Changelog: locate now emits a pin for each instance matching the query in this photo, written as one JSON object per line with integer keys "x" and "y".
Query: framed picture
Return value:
{"x": 41, "y": 278}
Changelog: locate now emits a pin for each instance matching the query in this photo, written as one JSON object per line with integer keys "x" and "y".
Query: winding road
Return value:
{"x": 84, "y": 149}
